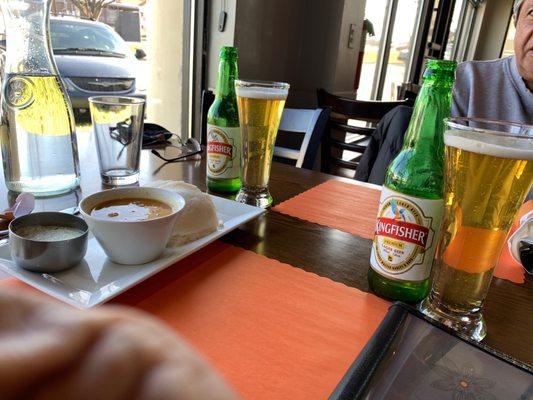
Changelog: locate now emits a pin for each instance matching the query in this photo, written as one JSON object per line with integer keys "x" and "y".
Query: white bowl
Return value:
{"x": 132, "y": 242}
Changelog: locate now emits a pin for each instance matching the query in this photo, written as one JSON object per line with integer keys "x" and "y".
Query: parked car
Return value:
{"x": 92, "y": 60}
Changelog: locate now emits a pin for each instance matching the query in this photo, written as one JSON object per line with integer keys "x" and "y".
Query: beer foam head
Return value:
{"x": 263, "y": 93}
{"x": 490, "y": 144}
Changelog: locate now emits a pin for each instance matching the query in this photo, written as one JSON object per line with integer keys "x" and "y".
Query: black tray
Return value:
{"x": 412, "y": 357}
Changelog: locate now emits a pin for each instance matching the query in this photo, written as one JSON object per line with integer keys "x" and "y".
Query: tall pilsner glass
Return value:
{"x": 260, "y": 107}
{"x": 489, "y": 172}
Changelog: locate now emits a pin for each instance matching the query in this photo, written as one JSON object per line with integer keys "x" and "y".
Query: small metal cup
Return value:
{"x": 49, "y": 256}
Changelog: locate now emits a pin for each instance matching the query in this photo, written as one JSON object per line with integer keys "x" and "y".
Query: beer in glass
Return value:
{"x": 489, "y": 172}
{"x": 260, "y": 107}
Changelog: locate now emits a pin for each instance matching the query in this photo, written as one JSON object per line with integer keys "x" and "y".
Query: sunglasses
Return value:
{"x": 172, "y": 153}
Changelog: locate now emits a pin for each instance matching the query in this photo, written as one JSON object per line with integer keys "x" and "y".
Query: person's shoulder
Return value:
{"x": 482, "y": 66}
{"x": 483, "y": 75}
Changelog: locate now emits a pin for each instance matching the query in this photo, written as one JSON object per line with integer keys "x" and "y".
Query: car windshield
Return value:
{"x": 78, "y": 37}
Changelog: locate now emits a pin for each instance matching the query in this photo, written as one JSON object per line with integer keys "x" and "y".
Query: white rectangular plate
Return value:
{"x": 97, "y": 280}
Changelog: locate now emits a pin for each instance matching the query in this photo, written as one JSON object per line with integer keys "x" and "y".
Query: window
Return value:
{"x": 400, "y": 48}
{"x": 508, "y": 45}
{"x": 388, "y": 54}
{"x": 375, "y": 13}
{"x": 455, "y": 31}
{"x": 129, "y": 51}
{"x": 69, "y": 37}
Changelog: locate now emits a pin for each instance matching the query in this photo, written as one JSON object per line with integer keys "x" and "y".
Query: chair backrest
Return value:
{"x": 208, "y": 97}
{"x": 344, "y": 143}
{"x": 362, "y": 110}
{"x": 310, "y": 123}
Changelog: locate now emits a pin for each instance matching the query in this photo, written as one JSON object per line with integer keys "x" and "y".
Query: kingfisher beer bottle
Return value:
{"x": 411, "y": 204}
{"x": 223, "y": 132}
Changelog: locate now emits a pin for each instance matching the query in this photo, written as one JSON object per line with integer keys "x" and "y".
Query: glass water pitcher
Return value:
{"x": 37, "y": 129}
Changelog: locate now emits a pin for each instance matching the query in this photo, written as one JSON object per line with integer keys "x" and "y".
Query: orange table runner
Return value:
{"x": 344, "y": 206}
{"x": 352, "y": 208}
{"x": 273, "y": 331}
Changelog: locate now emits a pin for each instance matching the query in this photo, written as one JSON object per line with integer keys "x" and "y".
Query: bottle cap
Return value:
{"x": 441, "y": 70}
{"x": 443, "y": 65}
{"x": 228, "y": 52}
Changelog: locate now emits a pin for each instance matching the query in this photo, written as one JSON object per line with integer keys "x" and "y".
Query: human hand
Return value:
{"x": 51, "y": 351}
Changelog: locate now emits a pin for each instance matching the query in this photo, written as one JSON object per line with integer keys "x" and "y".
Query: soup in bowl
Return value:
{"x": 133, "y": 225}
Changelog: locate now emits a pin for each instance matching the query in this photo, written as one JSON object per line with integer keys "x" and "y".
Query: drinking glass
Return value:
{"x": 489, "y": 172}
{"x": 118, "y": 126}
{"x": 260, "y": 107}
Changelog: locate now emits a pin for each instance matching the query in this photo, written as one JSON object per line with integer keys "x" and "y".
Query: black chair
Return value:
{"x": 345, "y": 141}
{"x": 208, "y": 97}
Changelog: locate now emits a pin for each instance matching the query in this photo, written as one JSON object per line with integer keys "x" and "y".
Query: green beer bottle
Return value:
{"x": 411, "y": 204}
{"x": 223, "y": 132}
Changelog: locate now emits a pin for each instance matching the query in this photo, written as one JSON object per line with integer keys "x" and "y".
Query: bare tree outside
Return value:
{"x": 91, "y": 8}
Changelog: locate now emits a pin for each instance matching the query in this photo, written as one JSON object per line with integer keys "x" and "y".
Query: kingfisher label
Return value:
{"x": 220, "y": 148}
{"x": 401, "y": 230}
{"x": 223, "y": 152}
{"x": 405, "y": 236}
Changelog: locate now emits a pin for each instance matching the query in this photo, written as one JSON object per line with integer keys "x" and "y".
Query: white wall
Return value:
{"x": 218, "y": 39}
{"x": 302, "y": 42}
{"x": 494, "y": 16}
{"x": 353, "y": 13}
{"x": 165, "y": 48}
{"x": 272, "y": 37}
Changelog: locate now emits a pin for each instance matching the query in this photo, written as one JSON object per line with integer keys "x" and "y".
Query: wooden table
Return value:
{"x": 328, "y": 252}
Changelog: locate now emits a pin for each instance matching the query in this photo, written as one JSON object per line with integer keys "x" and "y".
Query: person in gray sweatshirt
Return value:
{"x": 500, "y": 89}
{"x": 497, "y": 90}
